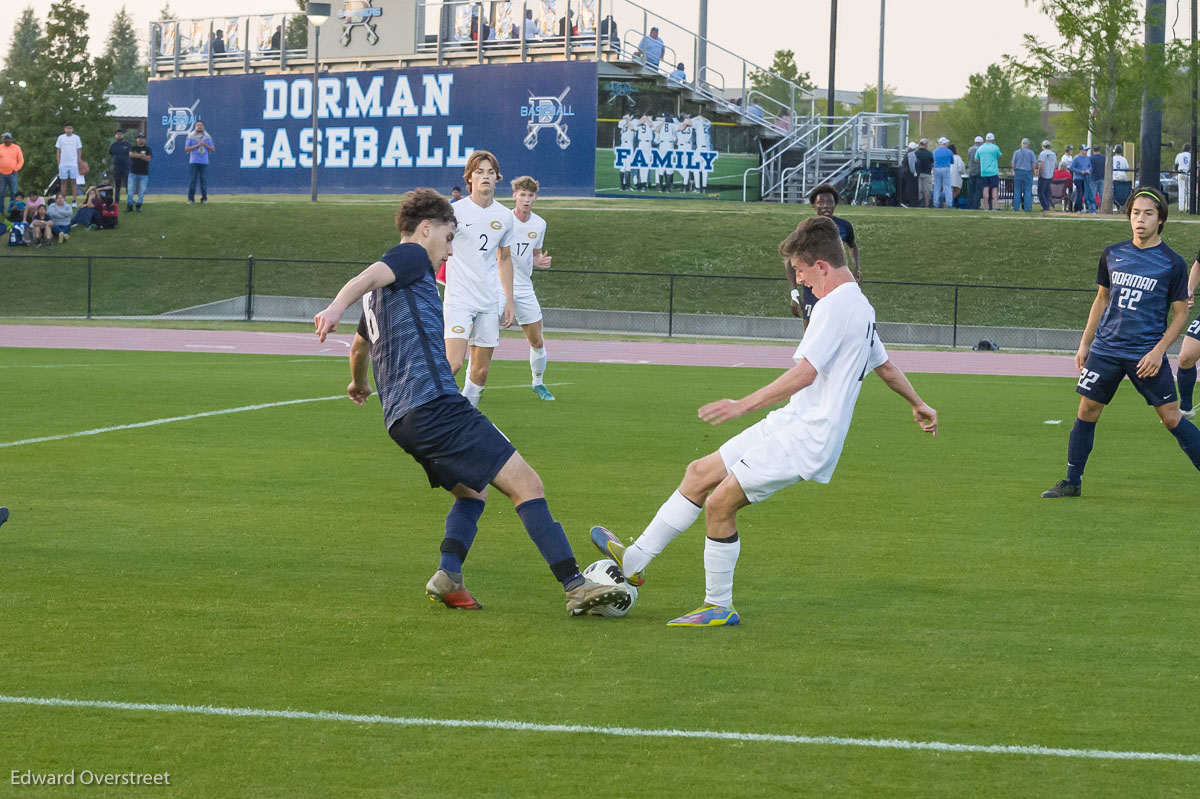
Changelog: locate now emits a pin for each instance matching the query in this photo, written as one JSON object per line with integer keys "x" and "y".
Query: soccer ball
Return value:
{"x": 607, "y": 572}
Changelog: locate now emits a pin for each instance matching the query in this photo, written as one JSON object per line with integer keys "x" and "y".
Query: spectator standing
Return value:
{"x": 908, "y": 178}
{"x": 1022, "y": 165}
{"x": 139, "y": 172}
{"x": 988, "y": 156}
{"x": 277, "y": 38}
{"x": 957, "y": 168}
{"x": 1081, "y": 170}
{"x": 1183, "y": 171}
{"x": 1096, "y": 192}
{"x": 119, "y": 151}
{"x": 1122, "y": 180}
{"x": 11, "y": 162}
{"x": 199, "y": 145}
{"x": 1068, "y": 157}
{"x": 943, "y": 162}
{"x": 973, "y": 175}
{"x": 60, "y": 217}
{"x": 650, "y": 51}
{"x": 1047, "y": 161}
{"x": 68, "y": 149}
{"x": 924, "y": 173}
{"x": 531, "y": 26}
{"x": 218, "y": 48}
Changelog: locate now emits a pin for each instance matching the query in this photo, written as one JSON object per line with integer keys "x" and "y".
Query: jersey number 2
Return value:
{"x": 372, "y": 322}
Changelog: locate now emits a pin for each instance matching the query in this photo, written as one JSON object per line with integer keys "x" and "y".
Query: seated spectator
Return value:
{"x": 88, "y": 215}
{"x": 608, "y": 31}
{"x": 1060, "y": 188}
{"x": 755, "y": 111}
{"x": 218, "y": 43}
{"x": 40, "y": 226}
{"x": 16, "y": 208}
{"x": 679, "y": 75}
{"x": 31, "y": 205}
{"x": 562, "y": 24}
{"x": 60, "y": 216}
{"x": 531, "y": 26}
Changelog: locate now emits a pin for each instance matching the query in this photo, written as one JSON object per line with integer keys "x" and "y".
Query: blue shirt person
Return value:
{"x": 1141, "y": 283}
{"x": 651, "y": 49}
{"x": 198, "y": 145}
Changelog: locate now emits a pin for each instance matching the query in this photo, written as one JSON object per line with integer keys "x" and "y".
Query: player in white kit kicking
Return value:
{"x": 800, "y": 441}
{"x": 529, "y": 236}
{"x": 479, "y": 275}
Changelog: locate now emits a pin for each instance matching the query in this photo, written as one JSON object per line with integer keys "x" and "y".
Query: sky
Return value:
{"x": 931, "y": 48}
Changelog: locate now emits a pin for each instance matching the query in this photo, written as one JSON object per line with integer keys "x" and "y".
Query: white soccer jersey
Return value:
{"x": 841, "y": 344}
{"x": 527, "y": 237}
{"x": 472, "y": 275}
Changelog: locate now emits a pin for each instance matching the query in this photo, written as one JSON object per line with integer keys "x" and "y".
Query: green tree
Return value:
{"x": 130, "y": 76}
{"x": 891, "y": 105}
{"x": 297, "y": 29}
{"x": 776, "y": 82}
{"x": 22, "y": 51}
{"x": 993, "y": 104}
{"x": 65, "y": 85}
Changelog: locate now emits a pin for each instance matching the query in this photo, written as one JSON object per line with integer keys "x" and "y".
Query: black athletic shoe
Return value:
{"x": 1063, "y": 488}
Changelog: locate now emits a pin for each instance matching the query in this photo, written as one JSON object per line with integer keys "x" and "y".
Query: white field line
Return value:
{"x": 167, "y": 420}
{"x": 622, "y": 732}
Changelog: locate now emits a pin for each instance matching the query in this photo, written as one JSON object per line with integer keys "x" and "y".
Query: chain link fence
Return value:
{"x": 651, "y": 303}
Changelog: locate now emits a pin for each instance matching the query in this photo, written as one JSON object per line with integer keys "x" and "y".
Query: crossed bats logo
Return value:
{"x": 547, "y": 112}
{"x": 179, "y": 121}
{"x": 358, "y": 14}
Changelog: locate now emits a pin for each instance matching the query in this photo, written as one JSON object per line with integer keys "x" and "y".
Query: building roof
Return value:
{"x": 128, "y": 106}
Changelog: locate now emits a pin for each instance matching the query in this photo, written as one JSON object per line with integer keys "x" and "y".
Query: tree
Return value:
{"x": 774, "y": 83}
{"x": 65, "y": 85}
{"x": 891, "y": 105}
{"x": 130, "y": 76}
{"x": 993, "y": 104}
{"x": 1097, "y": 70}
{"x": 297, "y": 29}
{"x": 22, "y": 51}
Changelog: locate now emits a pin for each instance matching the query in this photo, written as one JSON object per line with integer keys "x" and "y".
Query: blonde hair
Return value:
{"x": 525, "y": 183}
{"x": 473, "y": 162}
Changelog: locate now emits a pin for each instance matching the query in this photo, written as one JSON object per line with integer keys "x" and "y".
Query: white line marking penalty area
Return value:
{"x": 624, "y": 732}
{"x": 167, "y": 420}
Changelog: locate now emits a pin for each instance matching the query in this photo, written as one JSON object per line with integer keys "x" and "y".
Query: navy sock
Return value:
{"x": 1079, "y": 446}
{"x": 462, "y": 522}
{"x": 550, "y": 540}
{"x": 1188, "y": 436}
{"x": 1187, "y": 383}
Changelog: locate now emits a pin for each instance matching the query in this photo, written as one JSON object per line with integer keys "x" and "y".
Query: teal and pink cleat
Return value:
{"x": 611, "y": 547}
{"x": 707, "y": 616}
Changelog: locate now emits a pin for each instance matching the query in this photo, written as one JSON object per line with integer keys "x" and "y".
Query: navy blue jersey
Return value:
{"x": 1142, "y": 285}
{"x": 403, "y": 322}
{"x": 846, "y": 231}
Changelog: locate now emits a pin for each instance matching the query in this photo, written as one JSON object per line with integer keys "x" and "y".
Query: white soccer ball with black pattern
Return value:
{"x": 607, "y": 572}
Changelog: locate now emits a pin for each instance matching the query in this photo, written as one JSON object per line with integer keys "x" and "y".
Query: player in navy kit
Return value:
{"x": 462, "y": 452}
{"x": 1127, "y": 335}
{"x": 824, "y": 200}
{"x": 1189, "y": 353}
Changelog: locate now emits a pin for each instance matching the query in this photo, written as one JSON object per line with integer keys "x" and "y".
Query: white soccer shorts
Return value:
{"x": 527, "y": 308}
{"x": 68, "y": 172}
{"x": 480, "y": 328}
{"x": 762, "y": 459}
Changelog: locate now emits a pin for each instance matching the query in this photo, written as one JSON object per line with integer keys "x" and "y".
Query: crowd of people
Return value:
{"x": 661, "y": 133}
{"x": 1074, "y": 182}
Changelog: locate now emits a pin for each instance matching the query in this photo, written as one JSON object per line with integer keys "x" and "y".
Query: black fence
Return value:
{"x": 654, "y": 303}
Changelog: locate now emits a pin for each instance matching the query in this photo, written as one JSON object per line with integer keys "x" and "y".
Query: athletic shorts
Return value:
{"x": 527, "y": 308}
{"x": 990, "y": 181}
{"x": 68, "y": 171}
{"x": 1193, "y": 330}
{"x": 480, "y": 328}
{"x": 925, "y": 182}
{"x": 454, "y": 442}
{"x": 1102, "y": 374}
{"x": 762, "y": 460}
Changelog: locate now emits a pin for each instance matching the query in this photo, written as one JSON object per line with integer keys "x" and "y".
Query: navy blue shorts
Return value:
{"x": 990, "y": 181}
{"x": 807, "y": 301}
{"x": 1102, "y": 375}
{"x": 1193, "y": 330}
{"x": 454, "y": 442}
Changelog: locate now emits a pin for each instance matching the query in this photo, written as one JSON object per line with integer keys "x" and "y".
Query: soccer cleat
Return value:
{"x": 1190, "y": 413}
{"x": 450, "y": 592}
{"x": 708, "y": 616}
{"x": 543, "y": 392}
{"x": 588, "y": 595}
{"x": 1063, "y": 488}
{"x": 3, "y": 515}
{"x": 611, "y": 547}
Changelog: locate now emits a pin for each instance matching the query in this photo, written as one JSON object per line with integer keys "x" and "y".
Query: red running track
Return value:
{"x": 681, "y": 353}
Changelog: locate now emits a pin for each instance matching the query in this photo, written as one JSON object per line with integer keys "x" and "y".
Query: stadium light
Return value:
{"x": 318, "y": 15}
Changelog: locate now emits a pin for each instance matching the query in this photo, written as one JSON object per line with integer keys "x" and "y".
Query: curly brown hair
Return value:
{"x": 419, "y": 205}
{"x": 815, "y": 239}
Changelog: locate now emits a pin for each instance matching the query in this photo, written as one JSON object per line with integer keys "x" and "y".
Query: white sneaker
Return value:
{"x": 1189, "y": 414}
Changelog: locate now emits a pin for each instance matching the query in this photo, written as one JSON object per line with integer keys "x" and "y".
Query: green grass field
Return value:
{"x": 276, "y": 559}
{"x": 589, "y": 235}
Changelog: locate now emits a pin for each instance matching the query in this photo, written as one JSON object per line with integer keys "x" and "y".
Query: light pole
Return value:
{"x": 318, "y": 14}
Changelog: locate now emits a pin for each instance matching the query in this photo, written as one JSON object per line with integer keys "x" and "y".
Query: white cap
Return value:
{"x": 924, "y": 140}
{"x": 912, "y": 145}
{"x": 943, "y": 140}
{"x": 979, "y": 140}
{"x": 1045, "y": 142}
{"x": 991, "y": 137}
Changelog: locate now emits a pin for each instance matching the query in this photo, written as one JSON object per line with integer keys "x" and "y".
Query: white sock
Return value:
{"x": 719, "y": 561}
{"x": 472, "y": 392}
{"x": 677, "y": 514}
{"x": 537, "y": 364}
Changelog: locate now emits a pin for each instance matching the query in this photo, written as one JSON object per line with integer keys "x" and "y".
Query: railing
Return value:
{"x": 258, "y": 40}
{"x": 47, "y": 285}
